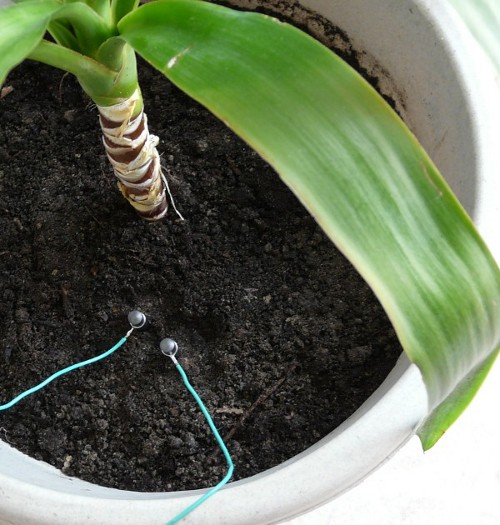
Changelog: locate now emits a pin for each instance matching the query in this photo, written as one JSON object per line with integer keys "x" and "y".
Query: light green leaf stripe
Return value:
{"x": 483, "y": 19}
{"x": 356, "y": 168}
{"x": 21, "y": 28}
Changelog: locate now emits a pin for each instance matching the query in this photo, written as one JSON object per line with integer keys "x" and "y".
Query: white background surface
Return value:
{"x": 457, "y": 482}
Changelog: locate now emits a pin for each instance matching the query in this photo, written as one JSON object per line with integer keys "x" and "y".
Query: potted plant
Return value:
{"x": 359, "y": 172}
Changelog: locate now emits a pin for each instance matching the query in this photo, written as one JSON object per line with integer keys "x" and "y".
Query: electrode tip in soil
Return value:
{"x": 168, "y": 347}
{"x": 136, "y": 319}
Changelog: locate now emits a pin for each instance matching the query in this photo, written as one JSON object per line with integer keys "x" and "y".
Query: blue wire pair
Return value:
{"x": 191, "y": 390}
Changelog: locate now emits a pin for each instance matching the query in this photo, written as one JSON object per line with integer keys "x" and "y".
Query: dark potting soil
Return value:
{"x": 280, "y": 336}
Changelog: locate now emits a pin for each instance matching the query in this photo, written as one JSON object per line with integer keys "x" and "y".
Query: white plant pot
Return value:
{"x": 444, "y": 86}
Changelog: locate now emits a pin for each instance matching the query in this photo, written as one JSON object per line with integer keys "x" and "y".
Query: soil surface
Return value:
{"x": 279, "y": 335}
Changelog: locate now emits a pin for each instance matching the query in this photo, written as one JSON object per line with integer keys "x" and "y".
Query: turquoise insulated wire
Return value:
{"x": 221, "y": 444}
{"x": 191, "y": 390}
{"x": 62, "y": 372}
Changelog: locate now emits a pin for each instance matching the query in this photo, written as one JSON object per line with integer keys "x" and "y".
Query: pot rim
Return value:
{"x": 32, "y": 492}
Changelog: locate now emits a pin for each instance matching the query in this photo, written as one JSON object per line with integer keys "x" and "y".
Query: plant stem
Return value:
{"x": 104, "y": 85}
{"x": 83, "y": 67}
{"x": 111, "y": 53}
{"x": 131, "y": 149}
{"x": 110, "y": 79}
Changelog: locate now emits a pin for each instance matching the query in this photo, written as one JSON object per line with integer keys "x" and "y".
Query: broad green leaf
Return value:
{"x": 356, "y": 168}
{"x": 21, "y": 28}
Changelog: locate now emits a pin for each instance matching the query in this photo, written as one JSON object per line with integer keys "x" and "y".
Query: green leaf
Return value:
{"x": 354, "y": 165}
{"x": 120, "y": 8}
{"x": 101, "y": 7}
{"x": 63, "y": 35}
{"x": 448, "y": 411}
{"x": 22, "y": 26}
{"x": 90, "y": 29}
{"x": 102, "y": 84}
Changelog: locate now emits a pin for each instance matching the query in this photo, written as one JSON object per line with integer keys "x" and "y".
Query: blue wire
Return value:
{"x": 221, "y": 443}
{"x": 191, "y": 390}
{"x": 62, "y": 372}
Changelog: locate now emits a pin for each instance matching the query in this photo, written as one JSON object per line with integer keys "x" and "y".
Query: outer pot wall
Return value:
{"x": 410, "y": 39}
